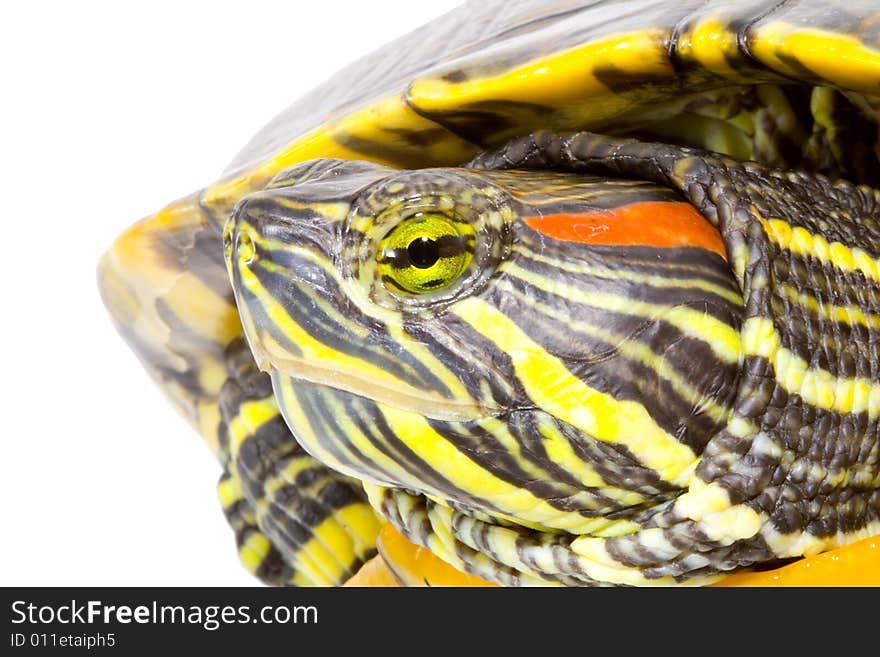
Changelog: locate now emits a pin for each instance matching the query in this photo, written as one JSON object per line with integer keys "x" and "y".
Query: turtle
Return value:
{"x": 575, "y": 293}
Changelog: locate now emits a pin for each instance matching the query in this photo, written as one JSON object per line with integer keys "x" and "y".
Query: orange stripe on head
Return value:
{"x": 664, "y": 224}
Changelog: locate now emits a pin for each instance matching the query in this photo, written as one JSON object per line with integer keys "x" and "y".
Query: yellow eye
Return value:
{"x": 425, "y": 252}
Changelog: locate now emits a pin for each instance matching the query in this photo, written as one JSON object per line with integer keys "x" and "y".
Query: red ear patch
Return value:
{"x": 648, "y": 223}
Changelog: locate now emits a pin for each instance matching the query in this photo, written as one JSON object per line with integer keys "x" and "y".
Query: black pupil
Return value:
{"x": 423, "y": 252}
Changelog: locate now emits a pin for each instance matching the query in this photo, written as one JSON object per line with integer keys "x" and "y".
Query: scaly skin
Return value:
{"x": 685, "y": 74}
{"x": 649, "y": 360}
{"x": 402, "y": 563}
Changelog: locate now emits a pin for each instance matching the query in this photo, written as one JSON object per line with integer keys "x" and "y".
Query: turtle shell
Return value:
{"x": 490, "y": 71}
{"x": 470, "y": 80}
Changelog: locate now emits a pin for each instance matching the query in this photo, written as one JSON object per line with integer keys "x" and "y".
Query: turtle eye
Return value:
{"x": 425, "y": 252}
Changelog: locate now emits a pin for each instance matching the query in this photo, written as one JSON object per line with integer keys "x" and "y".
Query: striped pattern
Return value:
{"x": 685, "y": 74}
{"x": 797, "y": 468}
{"x": 589, "y": 396}
{"x": 507, "y": 554}
{"x": 296, "y": 522}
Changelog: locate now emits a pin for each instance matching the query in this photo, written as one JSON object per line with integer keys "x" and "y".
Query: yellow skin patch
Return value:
{"x": 251, "y": 415}
{"x": 726, "y": 340}
{"x": 341, "y": 539}
{"x": 816, "y": 386}
{"x": 709, "y": 504}
{"x": 254, "y": 551}
{"x": 229, "y": 492}
{"x": 800, "y": 241}
{"x": 322, "y": 560}
{"x": 549, "y": 383}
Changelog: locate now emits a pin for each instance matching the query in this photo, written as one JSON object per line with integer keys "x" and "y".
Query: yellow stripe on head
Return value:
{"x": 725, "y": 340}
{"x": 555, "y": 389}
{"x": 469, "y": 476}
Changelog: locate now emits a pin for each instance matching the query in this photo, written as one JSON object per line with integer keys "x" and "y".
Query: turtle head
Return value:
{"x": 342, "y": 271}
{"x": 493, "y": 339}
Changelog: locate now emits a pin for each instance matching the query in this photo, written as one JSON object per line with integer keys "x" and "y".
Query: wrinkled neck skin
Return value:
{"x": 567, "y": 381}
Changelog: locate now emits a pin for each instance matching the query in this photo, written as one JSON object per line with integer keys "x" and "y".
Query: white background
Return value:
{"x": 109, "y": 110}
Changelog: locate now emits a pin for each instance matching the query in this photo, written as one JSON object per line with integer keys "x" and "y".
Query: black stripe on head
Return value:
{"x": 617, "y": 466}
{"x": 559, "y": 489}
{"x": 674, "y": 263}
{"x": 472, "y": 358}
{"x": 370, "y": 420}
{"x": 378, "y": 348}
{"x": 672, "y": 291}
{"x": 614, "y": 463}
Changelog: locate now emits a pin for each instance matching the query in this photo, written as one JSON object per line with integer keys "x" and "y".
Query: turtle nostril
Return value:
{"x": 245, "y": 246}
{"x": 227, "y": 242}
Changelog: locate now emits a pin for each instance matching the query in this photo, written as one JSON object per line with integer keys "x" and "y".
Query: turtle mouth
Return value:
{"x": 394, "y": 393}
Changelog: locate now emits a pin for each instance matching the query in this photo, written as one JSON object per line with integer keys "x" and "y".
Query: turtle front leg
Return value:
{"x": 297, "y": 522}
{"x": 255, "y": 549}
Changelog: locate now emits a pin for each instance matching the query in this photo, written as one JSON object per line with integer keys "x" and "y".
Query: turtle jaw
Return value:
{"x": 330, "y": 374}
